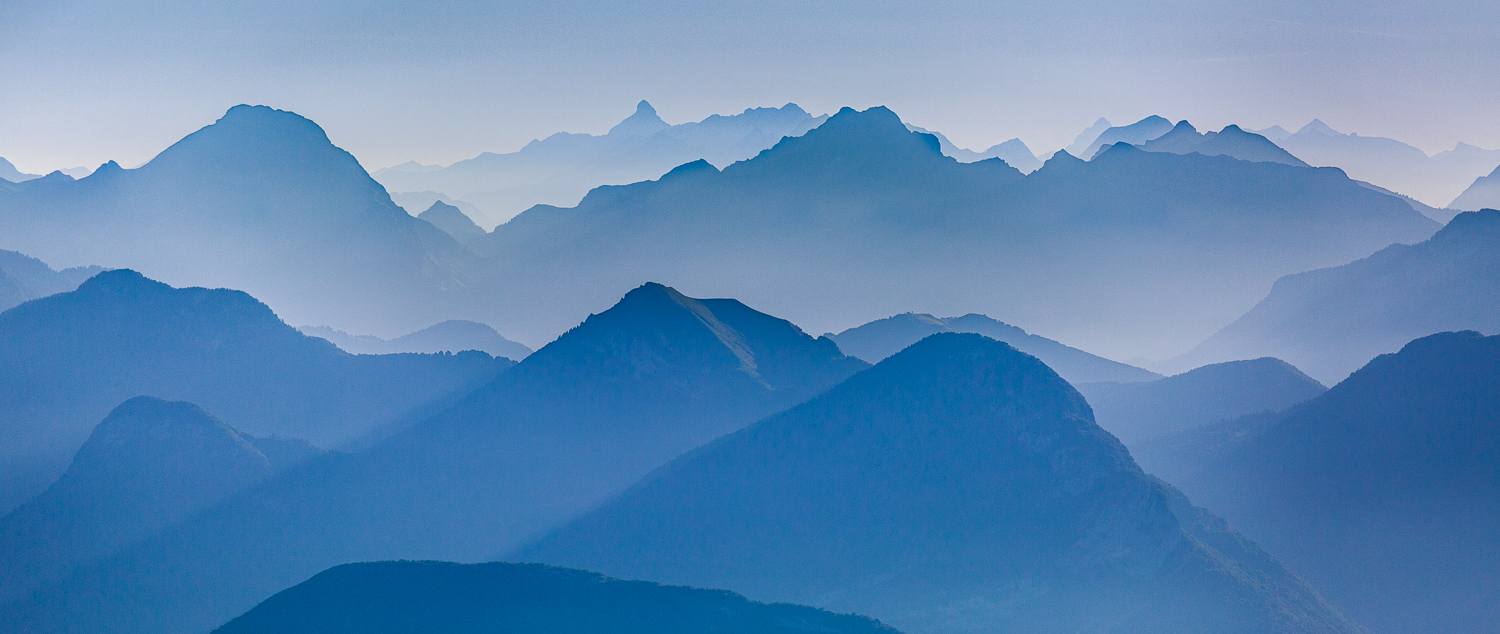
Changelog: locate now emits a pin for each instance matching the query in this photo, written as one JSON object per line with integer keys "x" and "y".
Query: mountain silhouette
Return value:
{"x": 1080, "y": 144}
{"x": 8, "y": 172}
{"x": 957, "y": 486}
{"x": 861, "y": 218}
{"x": 1484, "y": 193}
{"x": 875, "y": 341}
{"x": 1231, "y": 141}
{"x": 68, "y": 359}
{"x": 1014, "y": 152}
{"x": 1434, "y": 180}
{"x": 1383, "y": 492}
{"x": 1331, "y": 321}
{"x": 574, "y": 423}
{"x": 1137, "y": 133}
{"x": 150, "y": 464}
{"x": 25, "y": 278}
{"x": 454, "y": 335}
{"x": 450, "y": 219}
{"x": 259, "y": 201}
{"x": 562, "y": 168}
{"x": 429, "y": 597}
{"x": 1135, "y": 412}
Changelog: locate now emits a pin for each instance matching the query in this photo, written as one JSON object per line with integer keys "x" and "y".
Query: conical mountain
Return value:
{"x": 430, "y": 597}
{"x": 1329, "y": 322}
{"x": 958, "y": 486}
{"x": 644, "y": 122}
{"x": 1385, "y": 491}
{"x": 574, "y": 423}
{"x": 68, "y": 359}
{"x": 150, "y": 464}
{"x": 882, "y": 338}
{"x": 862, "y": 218}
{"x": 450, "y": 219}
{"x": 262, "y": 201}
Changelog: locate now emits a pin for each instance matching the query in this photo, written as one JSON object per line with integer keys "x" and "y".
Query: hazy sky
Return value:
{"x": 84, "y": 81}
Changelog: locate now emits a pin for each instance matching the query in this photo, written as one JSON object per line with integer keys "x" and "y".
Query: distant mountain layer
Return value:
{"x": 1132, "y": 253}
{"x": 428, "y": 597}
{"x": 1331, "y": 321}
{"x": 450, "y": 219}
{"x": 1013, "y": 152}
{"x": 1483, "y": 194}
{"x": 573, "y": 424}
{"x": 24, "y": 278}
{"x": 1137, "y": 133}
{"x": 1231, "y": 141}
{"x": 875, "y": 341}
{"x": 9, "y": 172}
{"x": 1434, "y": 180}
{"x": 1135, "y": 412}
{"x": 68, "y": 359}
{"x": 1385, "y": 491}
{"x": 958, "y": 486}
{"x": 454, "y": 335}
{"x": 561, "y": 168}
{"x": 150, "y": 464}
{"x": 259, "y": 201}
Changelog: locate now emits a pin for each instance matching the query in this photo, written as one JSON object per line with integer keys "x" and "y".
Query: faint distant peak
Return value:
{"x": 1316, "y": 126}
{"x": 644, "y": 122}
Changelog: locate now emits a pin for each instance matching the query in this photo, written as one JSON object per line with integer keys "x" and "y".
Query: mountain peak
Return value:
{"x": 644, "y": 122}
{"x": 1184, "y": 126}
{"x": 870, "y": 141}
{"x": 1316, "y": 126}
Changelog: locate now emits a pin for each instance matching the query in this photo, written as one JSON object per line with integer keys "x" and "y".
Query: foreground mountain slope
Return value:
{"x": 149, "y": 464}
{"x": 261, "y": 201}
{"x": 861, "y": 218}
{"x": 1135, "y": 412}
{"x": 1330, "y": 322}
{"x": 882, "y": 338}
{"x": 68, "y": 359}
{"x": 574, "y": 423}
{"x": 958, "y": 486}
{"x": 1383, "y": 492}
{"x": 429, "y": 597}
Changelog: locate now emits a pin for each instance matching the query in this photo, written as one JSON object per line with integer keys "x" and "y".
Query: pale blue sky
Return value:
{"x": 86, "y": 81}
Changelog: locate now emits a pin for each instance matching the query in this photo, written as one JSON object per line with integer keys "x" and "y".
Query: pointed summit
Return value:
{"x": 1316, "y": 126}
{"x": 958, "y": 486}
{"x": 644, "y": 122}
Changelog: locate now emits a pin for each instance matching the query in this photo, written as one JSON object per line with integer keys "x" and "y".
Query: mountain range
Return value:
{"x": 1434, "y": 180}
{"x": 68, "y": 359}
{"x": 454, "y": 335}
{"x": 861, "y": 218}
{"x": 561, "y": 168}
{"x": 577, "y": 421}
{"x": 10, "y": 173}
{"x": 259, "y": 201}
{"x": 1013, "y": 152}
{"x": 1183, "y": 138}
{"x": 430, "y": 597}
{"x": 957, "y": 486}
{"x": 1384, "y": 492}
{"x": 1329, "y": 322}
{"x": 150, "y": 464}
{"x": 1138, "y": 133}
{"x": 25, "y": 278}
{"x": 875, "y": 341}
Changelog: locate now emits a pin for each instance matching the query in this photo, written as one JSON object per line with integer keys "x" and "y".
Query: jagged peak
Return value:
{"x": 643, "y": 123}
